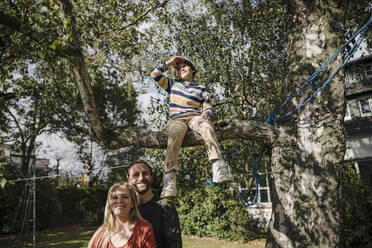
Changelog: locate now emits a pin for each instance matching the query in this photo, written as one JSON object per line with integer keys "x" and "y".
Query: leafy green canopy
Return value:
{"x": 37, "y": 41}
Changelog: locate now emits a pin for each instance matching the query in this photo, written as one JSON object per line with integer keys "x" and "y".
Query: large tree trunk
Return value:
{"x": 306, "y": 167}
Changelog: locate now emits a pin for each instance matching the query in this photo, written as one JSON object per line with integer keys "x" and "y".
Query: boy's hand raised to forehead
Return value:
{"x": 173, "y": 61}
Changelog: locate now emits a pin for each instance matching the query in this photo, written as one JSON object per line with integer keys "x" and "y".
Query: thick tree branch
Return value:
{"x": 75, "y": 56}
{"x": 225, "y": 130}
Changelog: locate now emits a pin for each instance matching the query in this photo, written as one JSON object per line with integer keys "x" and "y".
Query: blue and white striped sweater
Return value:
{"x": 186, "y": 99}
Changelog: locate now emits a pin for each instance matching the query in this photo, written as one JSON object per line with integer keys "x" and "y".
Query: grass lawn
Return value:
{"x": 78, "y": 237}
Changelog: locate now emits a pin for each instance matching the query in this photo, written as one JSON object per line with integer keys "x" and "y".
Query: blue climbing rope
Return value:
{"x": 258, "y": 181}
{"x": 311, "y": 81}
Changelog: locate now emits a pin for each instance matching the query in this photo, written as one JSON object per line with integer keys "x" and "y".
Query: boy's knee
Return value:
{"x": 174, "y": 135}
{"x": 207, "y": 127}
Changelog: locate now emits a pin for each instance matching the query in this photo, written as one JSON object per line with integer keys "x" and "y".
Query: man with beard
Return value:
{"x": 159, "y": 212}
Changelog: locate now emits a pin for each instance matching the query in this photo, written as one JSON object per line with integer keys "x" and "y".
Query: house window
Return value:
{"x": 365, "y": 107}
{"x": 263, "y": 192}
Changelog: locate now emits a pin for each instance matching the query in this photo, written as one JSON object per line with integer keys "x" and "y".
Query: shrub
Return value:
{"x": 55, "y": 206}
{"x": 82, "y": 206}
{"x": 357, "y": 200}
{"x": 212, "y": 212}
{"x": 13, "y": 198}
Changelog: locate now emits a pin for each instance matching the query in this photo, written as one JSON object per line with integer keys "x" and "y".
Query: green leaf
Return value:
{"x": 55, "y": 44}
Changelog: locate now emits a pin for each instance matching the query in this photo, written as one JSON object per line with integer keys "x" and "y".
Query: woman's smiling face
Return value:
{"x": 121, "y": 202}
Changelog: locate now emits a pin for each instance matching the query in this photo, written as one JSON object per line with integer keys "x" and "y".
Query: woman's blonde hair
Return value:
{"x": 109, "y": 224}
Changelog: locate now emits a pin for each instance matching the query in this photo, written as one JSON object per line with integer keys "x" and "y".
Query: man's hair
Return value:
{"x": 188, "y": 62}
{"x": 138, "y": 162}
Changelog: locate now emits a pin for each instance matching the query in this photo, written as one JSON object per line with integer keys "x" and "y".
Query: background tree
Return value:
{"x": 38, "y": 51}
{"x": 26, "y": 120}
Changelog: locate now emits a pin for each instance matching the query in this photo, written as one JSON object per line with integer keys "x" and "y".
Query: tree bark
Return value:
{"x": 306, "y": 168}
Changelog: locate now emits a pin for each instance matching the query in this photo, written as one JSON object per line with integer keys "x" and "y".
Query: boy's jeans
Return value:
{"x": 176, "y": 131}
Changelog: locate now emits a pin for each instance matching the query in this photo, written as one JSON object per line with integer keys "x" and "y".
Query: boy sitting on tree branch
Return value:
{"x": 189, "y": 107}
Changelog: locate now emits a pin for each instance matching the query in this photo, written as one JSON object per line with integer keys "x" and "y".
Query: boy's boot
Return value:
{"x": 221, "y": 172}
{"x": 169, "y": 187}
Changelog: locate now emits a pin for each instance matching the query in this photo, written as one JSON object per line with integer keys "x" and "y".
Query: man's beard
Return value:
{"x": 143, "y": 190}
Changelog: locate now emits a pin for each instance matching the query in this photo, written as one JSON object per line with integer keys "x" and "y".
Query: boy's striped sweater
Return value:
{"x": 186, "y": 99}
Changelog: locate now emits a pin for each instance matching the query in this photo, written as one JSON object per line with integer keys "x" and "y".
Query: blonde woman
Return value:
{"x": 123, "y": 225}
